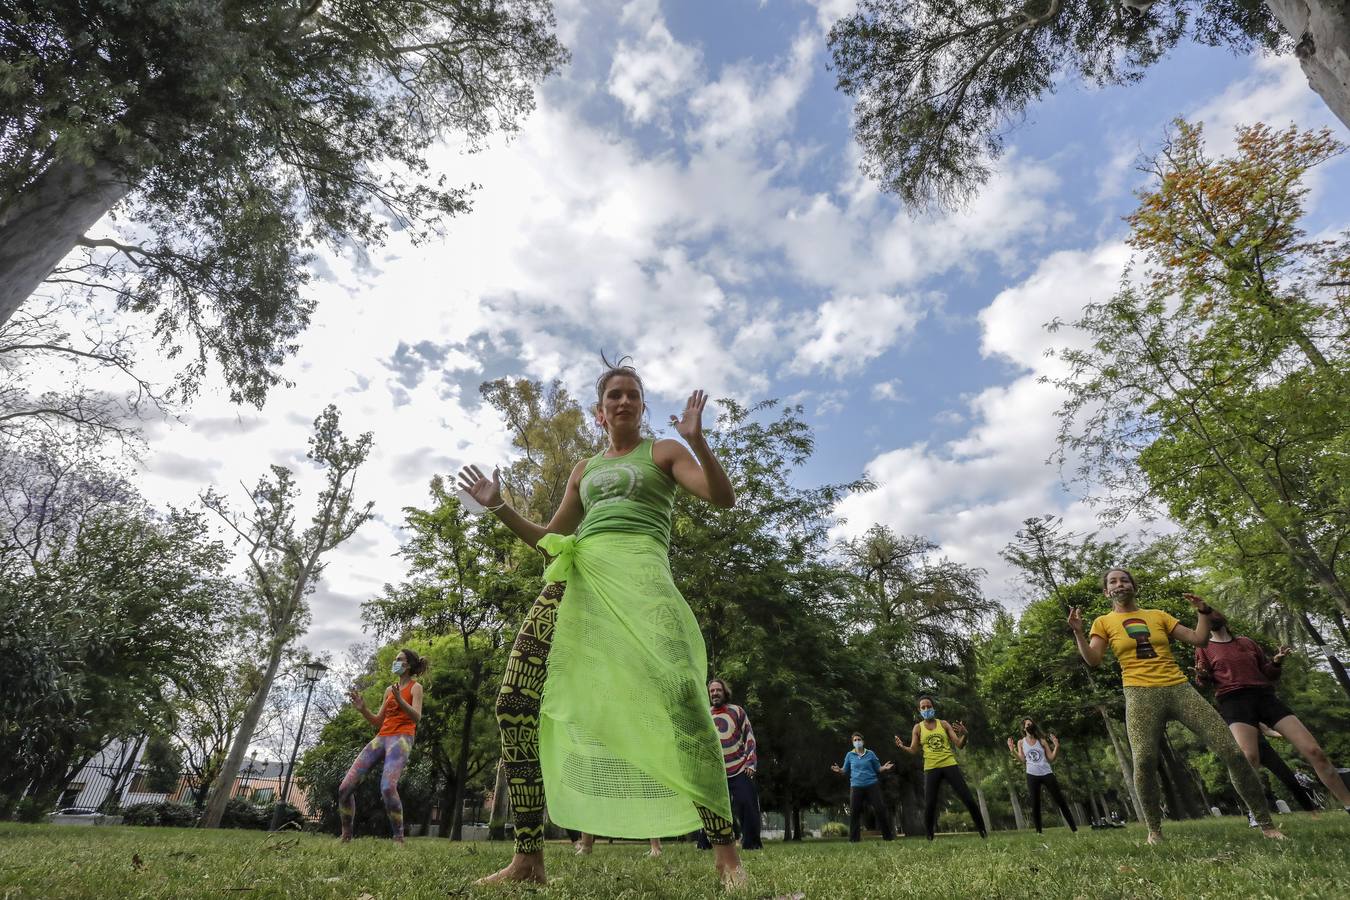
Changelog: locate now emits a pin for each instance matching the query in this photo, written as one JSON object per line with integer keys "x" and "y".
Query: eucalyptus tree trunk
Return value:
{"x": 1321, "y": 33}
{"x": 43, "y": 223}
{"x": 1126, "y": 764}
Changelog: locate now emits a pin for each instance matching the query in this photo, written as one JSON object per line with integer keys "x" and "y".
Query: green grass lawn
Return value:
{"x": 1217, "y": 858}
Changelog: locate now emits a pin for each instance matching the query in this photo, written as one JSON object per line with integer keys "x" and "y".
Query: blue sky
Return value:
{"x": 688, "y": 192}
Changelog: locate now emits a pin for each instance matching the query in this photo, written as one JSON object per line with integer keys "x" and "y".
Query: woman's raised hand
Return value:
{"x": 1012, "y": 745}
{"x": 1075, "y": 619}
{"x": 484, "y": 491}
{"x": 357, "y": 700}
{"x": 689, "y": 425}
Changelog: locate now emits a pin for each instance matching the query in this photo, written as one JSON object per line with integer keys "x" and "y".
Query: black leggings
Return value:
{"x": 1034, "y": 783}
{"x": 932, "y": 780}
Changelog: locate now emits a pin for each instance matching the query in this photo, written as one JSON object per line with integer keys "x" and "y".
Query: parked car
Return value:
{"x": 77, "y": 811}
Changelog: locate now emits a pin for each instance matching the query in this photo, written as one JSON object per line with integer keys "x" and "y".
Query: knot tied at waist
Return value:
{"x": 561, "y": 551}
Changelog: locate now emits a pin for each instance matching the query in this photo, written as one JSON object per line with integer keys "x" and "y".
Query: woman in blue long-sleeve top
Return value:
{"x": 864, "y": 780}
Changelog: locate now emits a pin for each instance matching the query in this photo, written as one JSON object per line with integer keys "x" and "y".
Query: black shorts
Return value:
{"x": 1253, "y": 706}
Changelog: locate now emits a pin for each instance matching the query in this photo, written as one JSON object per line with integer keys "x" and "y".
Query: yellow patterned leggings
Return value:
{"x": 518, "y": 717}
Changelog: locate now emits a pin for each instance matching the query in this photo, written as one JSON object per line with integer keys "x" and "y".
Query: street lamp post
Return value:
{"x": 313, "y": 672}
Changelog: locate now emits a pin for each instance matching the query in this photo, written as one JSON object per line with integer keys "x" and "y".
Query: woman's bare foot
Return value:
{"x": 584, "y": 844}
{"x": 1155, "y": 837}
{"x": 655, "y": 848}
{"x": 346, "y": 839}
{"x": 528, "y": 867}
{"x": 1273, "y": 833}
{"x": 729, "y": 870}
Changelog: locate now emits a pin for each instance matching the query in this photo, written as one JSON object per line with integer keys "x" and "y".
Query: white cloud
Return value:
{"x": 887, "y": 390}
{"x": 848, "y": 332}
{"x": 748, "y": 104}
{"x": 651, "y": 70}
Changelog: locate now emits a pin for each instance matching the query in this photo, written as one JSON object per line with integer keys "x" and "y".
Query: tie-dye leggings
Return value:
{"x": 518, "y": 715}
{"x": 394, "y": 749}
{"x": 1147, "y": 712}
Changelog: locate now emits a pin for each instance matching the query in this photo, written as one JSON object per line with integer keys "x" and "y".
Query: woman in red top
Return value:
{"x": 1244, "y": 684}
{"x": 396, "y": 725}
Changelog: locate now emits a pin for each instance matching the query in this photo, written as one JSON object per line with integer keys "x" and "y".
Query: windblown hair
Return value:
{"x": 416, "y": 664}
{"x": 621, "y": 366}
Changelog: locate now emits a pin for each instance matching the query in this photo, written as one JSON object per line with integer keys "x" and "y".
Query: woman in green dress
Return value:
{"x": 641, "y": 758}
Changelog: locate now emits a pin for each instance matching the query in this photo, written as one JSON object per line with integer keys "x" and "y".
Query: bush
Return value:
{"x": 289, "y": 814}
{"x": 242, "y": 814}
{"x": 30, "y": 809}
{"x": 834, "y": 829}
{"x": 955, "y": 821}
{"x": 172, "y": 815}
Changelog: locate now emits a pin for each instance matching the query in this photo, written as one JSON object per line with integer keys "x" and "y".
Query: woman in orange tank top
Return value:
{"x": 395, "y": 727}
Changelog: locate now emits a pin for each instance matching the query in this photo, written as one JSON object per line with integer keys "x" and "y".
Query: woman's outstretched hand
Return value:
{"x": 689, "y": 425}
{"x": 484, "y": 491}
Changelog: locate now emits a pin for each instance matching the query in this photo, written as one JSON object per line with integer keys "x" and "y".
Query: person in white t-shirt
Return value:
{"x": 1033, "y": 750}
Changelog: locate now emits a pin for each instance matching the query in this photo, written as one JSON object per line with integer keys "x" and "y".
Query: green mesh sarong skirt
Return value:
{"x": 627, "y": 743}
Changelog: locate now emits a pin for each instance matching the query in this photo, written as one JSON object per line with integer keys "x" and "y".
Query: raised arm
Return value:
{"x": 1015, "y": 748}
{"x": 360, "y": 703}
{"x": 414, "y": 709}
{"x": 1052, "y": 749}
{"x": 913, "y": 746}
{"x": 956, "y": 731}
{"x": 1273, "y": 668}
{"x": 1199, "y": 635}
{"x": 699, "y": 472}
{"x": 487, "y": 492}
{"x": 1092, "y": 651}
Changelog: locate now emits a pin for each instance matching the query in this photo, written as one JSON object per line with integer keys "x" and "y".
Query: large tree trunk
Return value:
{"x": 1016, "y": 807}
{"x": 911, "y": 806}
{"x": 1321, "y": 33}
{"x": 501, "y": 806}
{"x": 462, "y": 768}
{"x": 1126, "y": 766}
{"x": 1336, "y": 667}
{"x": 41, "y": 227}
{"x": 220, "y": 793}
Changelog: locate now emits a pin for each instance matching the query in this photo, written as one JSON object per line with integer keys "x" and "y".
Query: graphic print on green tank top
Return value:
{"x": 629, "y": 494}
{"x": 937, "y": 749}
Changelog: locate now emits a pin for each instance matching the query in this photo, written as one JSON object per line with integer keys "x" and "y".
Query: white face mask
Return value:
{"x": 397, "y": 667}
{"x": 857, "y": 745}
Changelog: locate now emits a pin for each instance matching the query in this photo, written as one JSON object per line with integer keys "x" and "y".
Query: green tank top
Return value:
{"x": 629, "y": 494}
{"x": 937, "y": 747}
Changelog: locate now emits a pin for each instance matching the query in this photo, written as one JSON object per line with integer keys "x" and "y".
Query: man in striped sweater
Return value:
{"x": 738, "y": 752}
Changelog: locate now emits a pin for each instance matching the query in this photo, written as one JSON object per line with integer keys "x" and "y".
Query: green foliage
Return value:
{"x": 163, "y": 764}
{"x": 173, "y": 815}
{"x": 938, "y": 83}
{"x": 99, "y": 622}
{"x": 247, "y": 133}
{"x": 1215, "y": 380}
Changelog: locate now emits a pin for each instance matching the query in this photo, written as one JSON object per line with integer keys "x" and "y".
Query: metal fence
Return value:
{"x": 98, "y": 786}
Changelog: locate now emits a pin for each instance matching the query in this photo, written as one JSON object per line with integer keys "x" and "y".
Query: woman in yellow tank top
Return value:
{"x": 935, "y": 738}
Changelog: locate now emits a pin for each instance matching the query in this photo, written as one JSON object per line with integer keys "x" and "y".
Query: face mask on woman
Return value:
{"x": 857, "y": 745}
{"x": 928, "y": 713}
{"x": 397, "y": 667}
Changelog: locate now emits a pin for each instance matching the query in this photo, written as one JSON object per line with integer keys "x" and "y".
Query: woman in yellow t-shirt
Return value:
{"x": 1157, "y": 692}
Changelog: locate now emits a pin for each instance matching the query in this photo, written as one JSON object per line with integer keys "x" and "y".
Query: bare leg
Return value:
{"x": 1307, "y": 746}
{"x": 585, "y": 844}
{"x": 655, "y": 848}
{"x": 727, "y": 859}
{"x": 1248, "y": 741}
